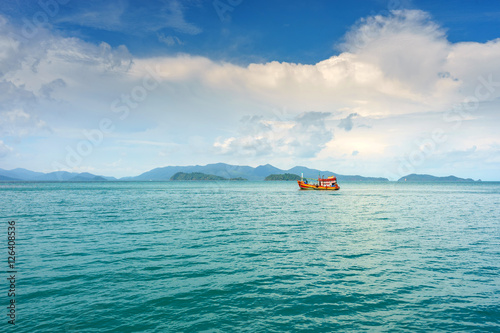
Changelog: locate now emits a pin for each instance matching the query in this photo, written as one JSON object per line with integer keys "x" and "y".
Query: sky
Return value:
{"x": 373, "y": 87}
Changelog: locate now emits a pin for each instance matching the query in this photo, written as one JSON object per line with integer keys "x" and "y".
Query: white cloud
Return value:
{"x": 409, "y": 49}
{"x": 303, "y": 137}
{"x": 473, "y": 63}
{"x": 35, "y": 63}
{"x": 34, "y": 72}
{"x": 121, "y": 16}
{"x": 392, "y": 65}
{"x": 99, "y": 15}
{"x": 173, "y": 17}
{"x": 396, "y": 76}
{"x": 18, "y": 123}
{"x": 4, "y": 149}
{"x": 347, "y": 80}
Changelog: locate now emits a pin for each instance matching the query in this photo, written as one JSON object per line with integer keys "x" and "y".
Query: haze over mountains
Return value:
{"x": 247, "y": 172}
{"x": 218, "y": 169}
{"x": 164, "y": 173}
{"x": 20, "y": 174}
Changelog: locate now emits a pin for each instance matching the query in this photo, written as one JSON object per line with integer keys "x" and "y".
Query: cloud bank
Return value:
{"x": 398, "y": 76}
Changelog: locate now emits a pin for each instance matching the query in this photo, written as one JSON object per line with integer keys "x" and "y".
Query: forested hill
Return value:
{"x": 199, "y": 176}
{"x": 285, "y": 176}
{"x": 195, "y": 176}
{"x": 428, "y": 178}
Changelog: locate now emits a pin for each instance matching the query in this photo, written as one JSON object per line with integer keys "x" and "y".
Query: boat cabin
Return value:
{"x": 330, "y": 181}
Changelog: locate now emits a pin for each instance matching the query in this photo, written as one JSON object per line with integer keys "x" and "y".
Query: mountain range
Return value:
{"x": 164, "y": 173}
{"x": 247, "y": 172}
{"x": 20, "y": 174}
{"x": 218, "y": 169}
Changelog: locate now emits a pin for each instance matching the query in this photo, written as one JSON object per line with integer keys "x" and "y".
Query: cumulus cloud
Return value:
{"x": 396, "y": 64}
{"x": 46, "y": 63}
{"x": 408, "y": 47}
{"x": 378, "y": 78}
{"x": 15, "y": 120}
{"x": 304, "y": 136}
{"x": 33, "y": 71}
{"x": 11, "y": 95}
{"x": 4, "y": 149}
{"x": 391, "y": 68}
{"x": 475, "y": 65}
{"x": 311, "y": 133}
{"x": 36, "y": 61}
{"x": 18, "y": 123}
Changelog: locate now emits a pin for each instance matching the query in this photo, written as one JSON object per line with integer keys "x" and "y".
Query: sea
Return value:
{"x": 240, "y": 256}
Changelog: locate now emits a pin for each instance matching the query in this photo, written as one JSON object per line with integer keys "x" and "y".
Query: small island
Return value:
{"x": 199, "y": 176}
{"x": 283, "y": 177}
{"x": 87, "y": 177}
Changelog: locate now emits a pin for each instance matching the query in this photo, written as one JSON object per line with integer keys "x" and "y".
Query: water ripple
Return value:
{"x": 256, "y": 257}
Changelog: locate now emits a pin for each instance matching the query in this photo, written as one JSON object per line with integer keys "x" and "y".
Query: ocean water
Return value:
{"x": 253, "y": 257}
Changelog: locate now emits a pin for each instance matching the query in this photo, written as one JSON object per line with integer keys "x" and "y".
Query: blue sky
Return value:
{"x": 378, "y": 88}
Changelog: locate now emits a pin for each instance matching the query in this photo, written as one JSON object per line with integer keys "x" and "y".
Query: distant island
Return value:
{"x": 87, "y": 177}
{"x": 428, "y": 178}
{"x": 285, "y": 176}
{"x": 226, "y": 171}
{"x": 199, "y": 176}
{"x": 217, "y": 171}
{"x": 23, "y": 175}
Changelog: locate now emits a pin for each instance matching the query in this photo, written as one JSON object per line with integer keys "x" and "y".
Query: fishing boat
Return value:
{"x": 325, "y": 184}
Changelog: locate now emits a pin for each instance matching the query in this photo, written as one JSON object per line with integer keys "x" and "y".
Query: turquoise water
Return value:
{"x": 253, "y": 257}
